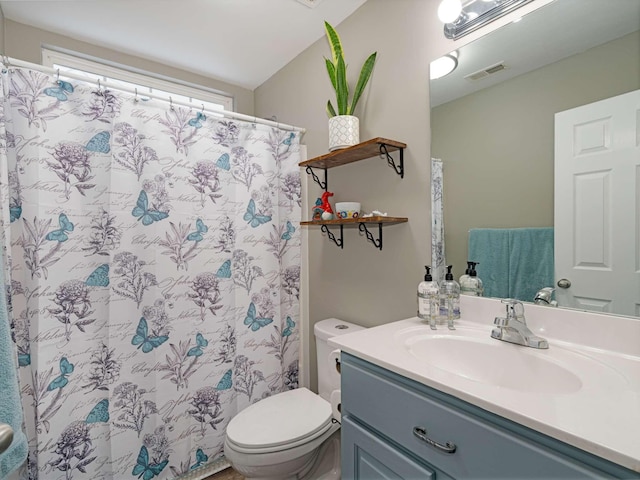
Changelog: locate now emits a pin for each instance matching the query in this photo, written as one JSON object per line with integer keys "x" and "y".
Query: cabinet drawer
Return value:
{"x": 394, "y": 408}
{"x": 366, "y": 457}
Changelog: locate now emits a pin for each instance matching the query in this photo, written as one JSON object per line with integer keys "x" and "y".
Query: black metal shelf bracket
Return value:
{"x": 378, "y": 243}
{"x": 384, "y": 153}
{"x": 323, "y": 184}
{"x": 338, "y": 241}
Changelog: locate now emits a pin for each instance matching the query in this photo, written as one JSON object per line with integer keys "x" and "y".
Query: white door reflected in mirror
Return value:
{"x": 597, "y": 169}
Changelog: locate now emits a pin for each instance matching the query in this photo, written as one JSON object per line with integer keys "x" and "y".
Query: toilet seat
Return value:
{"x": 280, "y": 422}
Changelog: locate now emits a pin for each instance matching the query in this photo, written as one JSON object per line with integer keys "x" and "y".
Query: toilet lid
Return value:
{"x": 280, "y": 420}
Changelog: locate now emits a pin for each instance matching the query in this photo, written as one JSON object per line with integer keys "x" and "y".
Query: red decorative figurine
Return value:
{"x": 326, "y": 206}
{"x": 322, "y": 209}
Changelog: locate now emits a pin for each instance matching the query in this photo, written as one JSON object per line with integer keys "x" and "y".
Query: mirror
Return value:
{"x": 494, "y": 130}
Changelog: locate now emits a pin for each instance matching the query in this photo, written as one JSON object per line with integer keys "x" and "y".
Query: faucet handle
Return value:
{"x": 515, "y": 309}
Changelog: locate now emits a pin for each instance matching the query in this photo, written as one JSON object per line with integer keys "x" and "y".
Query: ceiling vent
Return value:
{"x": 485, "y": 72}
{"x": 310, "y": 3}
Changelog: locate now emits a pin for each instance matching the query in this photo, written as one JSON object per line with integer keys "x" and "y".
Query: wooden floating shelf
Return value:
{"x": 368, "y": 149}
{"x": 356, "y": 221}
{"x": 376, "y": 147}
{"x": 362, "y": 226}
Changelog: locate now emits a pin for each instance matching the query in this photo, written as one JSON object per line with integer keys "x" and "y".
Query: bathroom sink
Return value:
{"x": 583, "y": 390}
{"x": 493, "y": 362}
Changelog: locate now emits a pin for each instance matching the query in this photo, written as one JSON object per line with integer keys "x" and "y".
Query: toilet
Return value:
{"x": 292, "y": 435}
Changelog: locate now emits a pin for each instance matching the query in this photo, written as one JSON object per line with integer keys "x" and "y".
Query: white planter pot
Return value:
{"x": 344, "y": 131}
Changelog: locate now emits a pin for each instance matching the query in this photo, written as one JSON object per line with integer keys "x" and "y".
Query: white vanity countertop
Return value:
{"x": 599, "y": 413}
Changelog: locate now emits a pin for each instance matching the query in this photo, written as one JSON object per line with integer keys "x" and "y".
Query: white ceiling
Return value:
{"x": 243, "y": 42}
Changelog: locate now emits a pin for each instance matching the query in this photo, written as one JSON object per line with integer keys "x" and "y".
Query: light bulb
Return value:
{"x": 449, "y": 10}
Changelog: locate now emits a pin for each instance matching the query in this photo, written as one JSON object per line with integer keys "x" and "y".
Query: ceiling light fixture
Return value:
{"x": 474, "y": 14}
{"x": 443, "y": 66}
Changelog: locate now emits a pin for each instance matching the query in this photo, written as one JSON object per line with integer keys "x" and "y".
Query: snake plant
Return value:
{"x": 337, "y": 69}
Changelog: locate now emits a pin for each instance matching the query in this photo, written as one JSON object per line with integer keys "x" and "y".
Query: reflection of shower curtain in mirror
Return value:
{"x": 438, "y": 261}
{"x": 155, "y": 271}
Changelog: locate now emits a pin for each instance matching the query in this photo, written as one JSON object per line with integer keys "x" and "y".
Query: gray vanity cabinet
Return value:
{"x": 397, "y": 428}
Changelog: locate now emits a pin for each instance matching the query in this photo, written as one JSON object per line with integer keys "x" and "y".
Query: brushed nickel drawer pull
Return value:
{"x": 421, "y": 433}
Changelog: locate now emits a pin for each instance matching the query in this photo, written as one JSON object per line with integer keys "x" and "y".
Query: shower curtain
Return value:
{"x": 153, "y": 254}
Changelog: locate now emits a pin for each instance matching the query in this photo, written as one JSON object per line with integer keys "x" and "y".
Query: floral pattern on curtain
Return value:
{"x": 155, "y": 275}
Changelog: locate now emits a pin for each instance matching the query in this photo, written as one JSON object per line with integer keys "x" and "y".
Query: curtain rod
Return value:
{"x": 14, "y": 62}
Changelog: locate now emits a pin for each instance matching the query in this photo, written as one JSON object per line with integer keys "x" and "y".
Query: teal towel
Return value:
{"x": 514, "y": 262}
{"x": 530, "y": 262}
{"x": 10, "y": 406}
{"x": 490, "y": 247}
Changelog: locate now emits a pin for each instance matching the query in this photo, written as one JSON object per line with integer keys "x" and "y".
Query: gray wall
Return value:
{"x": 360, "y": 283}
{"x": 497, "y": 144}
{"x": 25, "y": 43}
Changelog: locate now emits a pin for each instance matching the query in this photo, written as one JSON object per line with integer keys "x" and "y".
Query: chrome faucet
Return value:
{"x": 513, "y": 328}
{"x": 543, "y": 297}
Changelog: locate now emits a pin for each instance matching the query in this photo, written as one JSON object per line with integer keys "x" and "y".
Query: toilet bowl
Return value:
{"x": 292, "y": 435}
{"x": 280, "y": 436}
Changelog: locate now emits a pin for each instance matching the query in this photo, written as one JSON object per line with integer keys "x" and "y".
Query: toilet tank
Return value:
{"x": 328, "y": 378}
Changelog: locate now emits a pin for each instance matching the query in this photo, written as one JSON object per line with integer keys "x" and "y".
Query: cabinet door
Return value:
{"x": 367, "y": 457}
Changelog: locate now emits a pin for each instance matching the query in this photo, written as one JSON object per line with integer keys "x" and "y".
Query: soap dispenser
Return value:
{"x": 450, "y": 298}
{"x": 463, "y": 278}
{"x": 472, "y": 285}
{"x": 428, "y": 299}
{"x": 475, "y": 279}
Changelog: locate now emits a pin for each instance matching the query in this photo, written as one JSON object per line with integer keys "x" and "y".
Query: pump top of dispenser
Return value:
{"x": 427, "y": 276}
{"x": 449, "y": 275}
{"x": 472, "y": 268}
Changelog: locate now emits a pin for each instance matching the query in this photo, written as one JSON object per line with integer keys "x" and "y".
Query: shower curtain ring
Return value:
{"x": 202, "y": 108}
{"x": 171, "y": 104}
{"x": 99, "y": 86}
{"x": 58, "y": 75}
{"x": 135, "y": 99}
